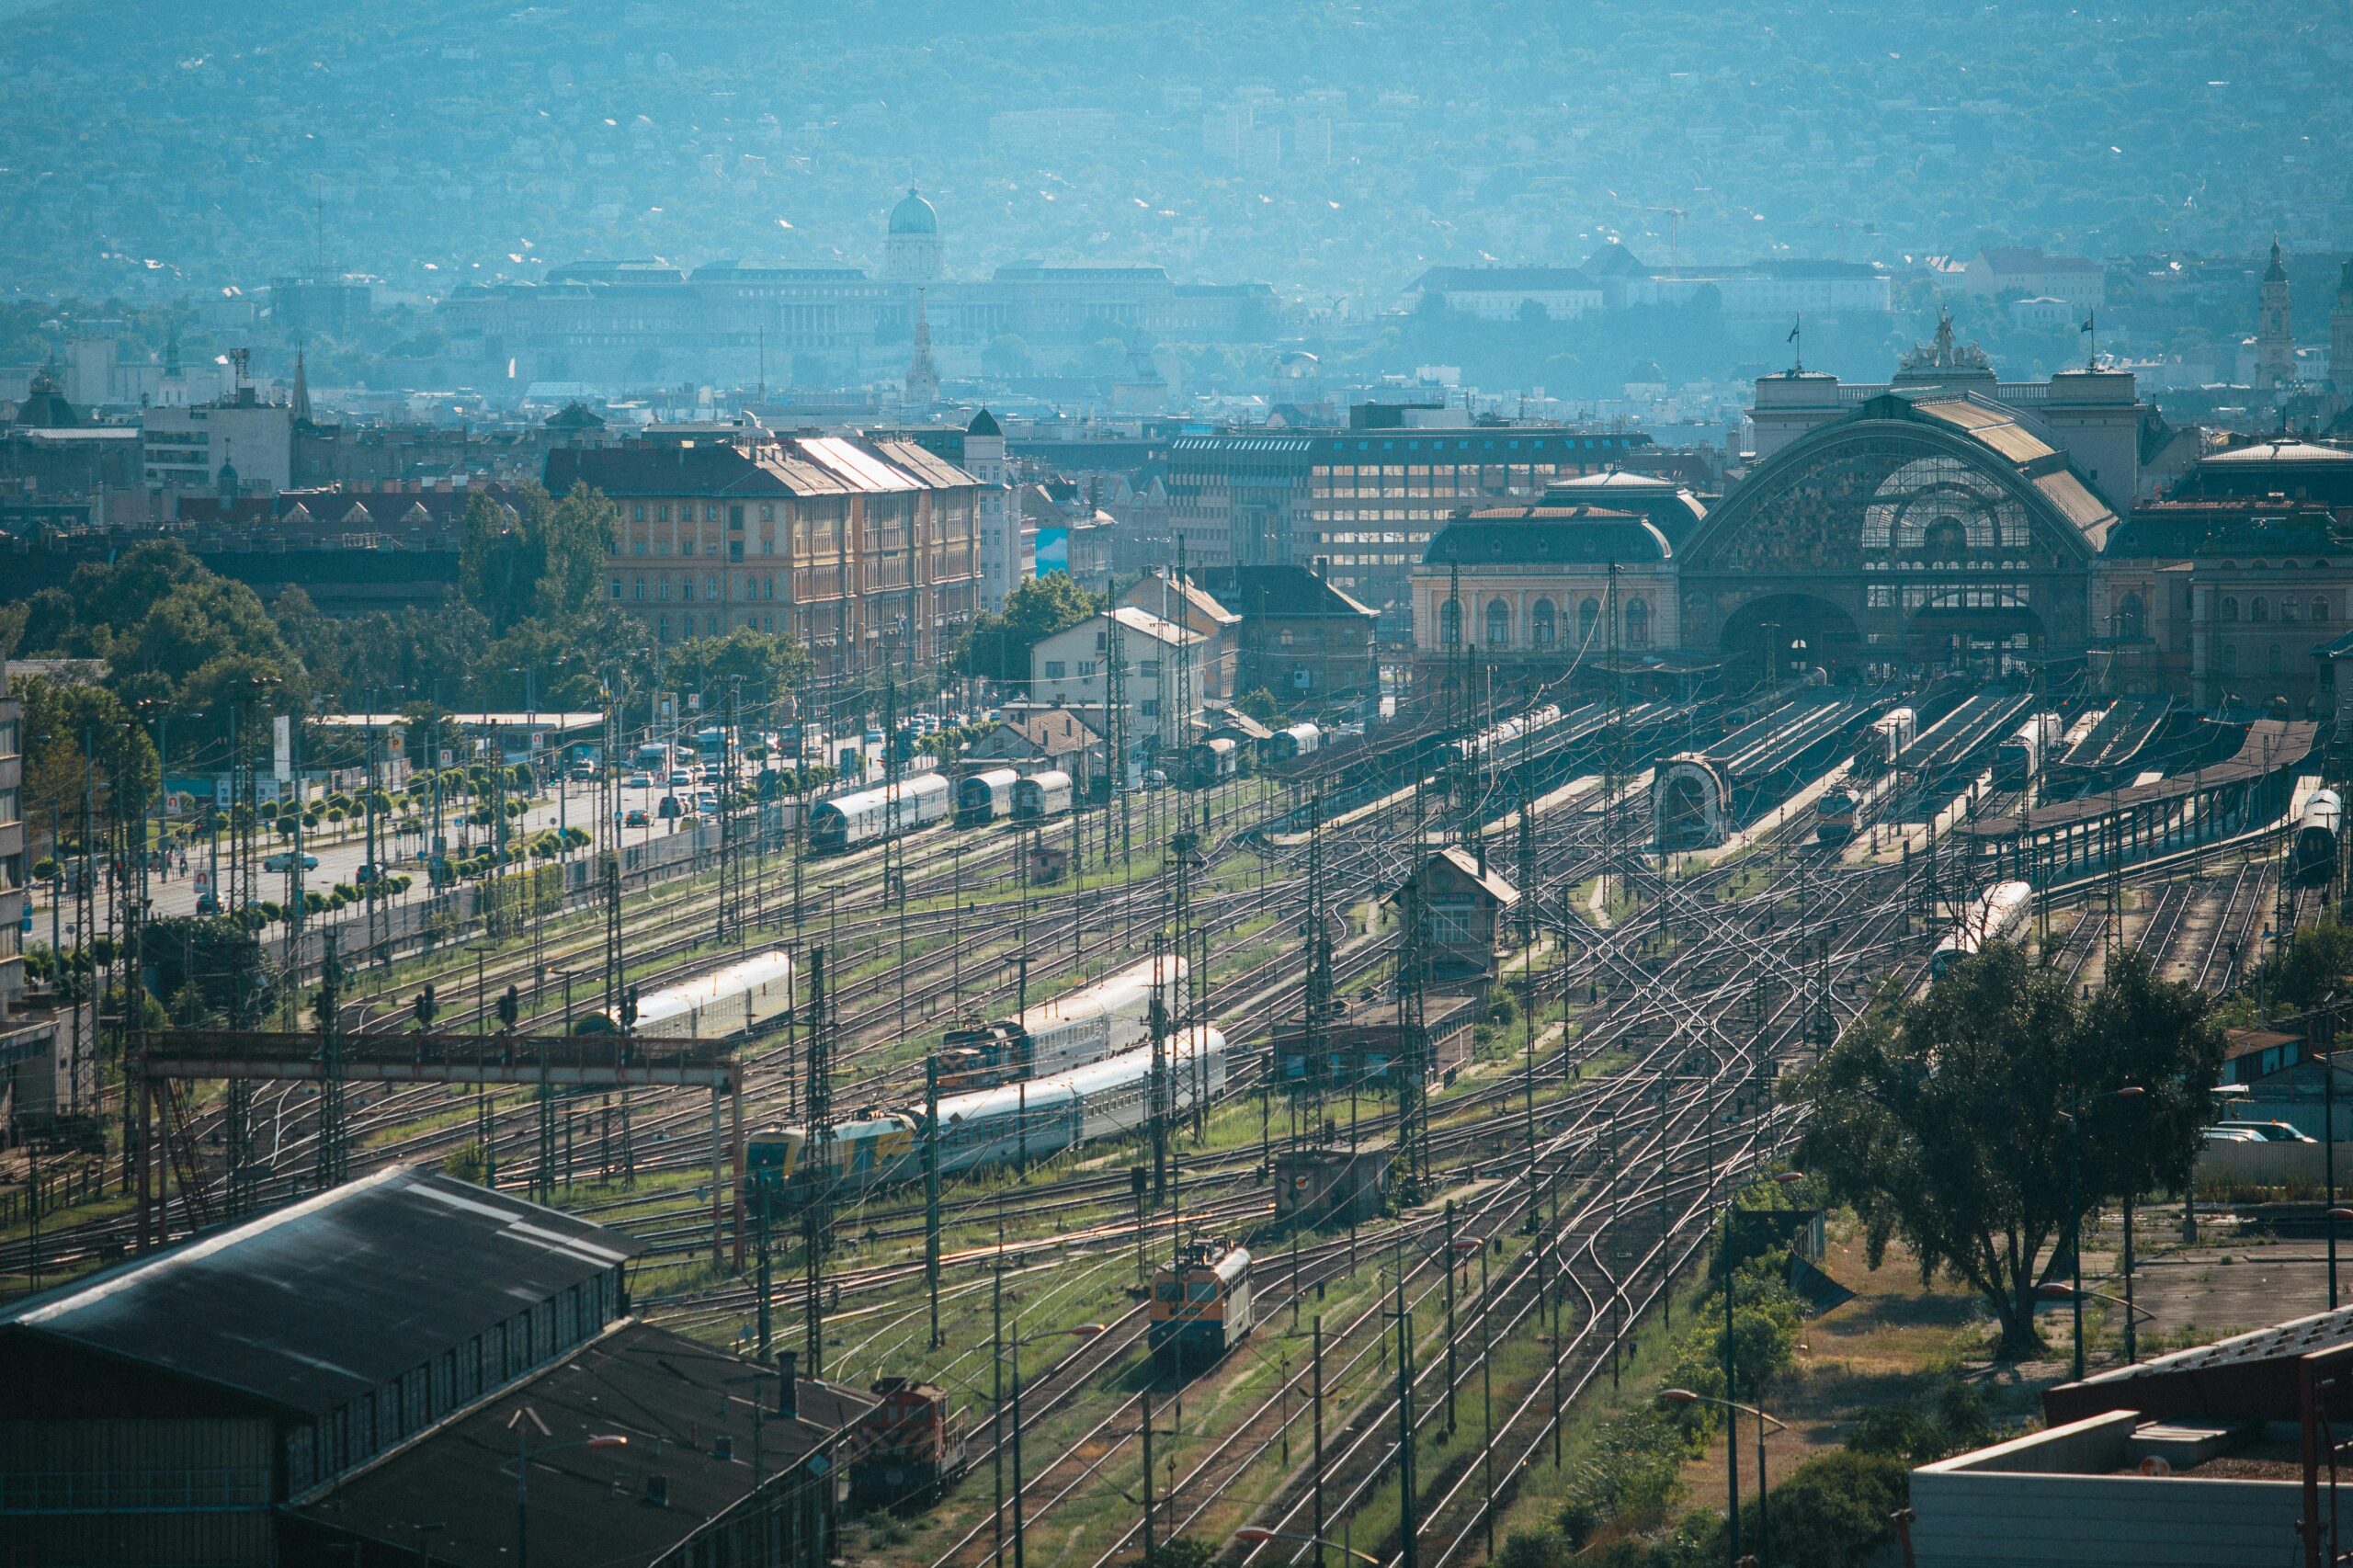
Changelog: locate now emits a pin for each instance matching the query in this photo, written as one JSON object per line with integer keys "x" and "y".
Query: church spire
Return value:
{"x": 301, "y": 391}
{"x": 2275, "y": 333}
{"x": 923, "y": 381}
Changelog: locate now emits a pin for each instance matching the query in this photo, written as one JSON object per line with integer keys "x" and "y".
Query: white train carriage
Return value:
{"x": 985, "y": 797}
{"x": 1030, "y": 1120}
{"x": 1495, "y": 737}
{"x": 2316, "y": 836}
{"x": 1885, "y": 741}
{"x": 2018, "y": 761}
{"x": 748, "y": 996}
{"x": 868, "y": 816}
{"x": 1094, "y": 1022}
{"x": 1998, "y": 914}
{"x": 1298, "y": 741}
{"x": 1042, "y": 795}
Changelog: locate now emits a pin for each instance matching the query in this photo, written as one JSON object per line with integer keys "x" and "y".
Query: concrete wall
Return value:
{"x": 2271, "y": 1164}
{"x": 2031, "y": 1504}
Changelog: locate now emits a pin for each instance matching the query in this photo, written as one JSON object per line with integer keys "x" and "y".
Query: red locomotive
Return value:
{"x": 914, "y": 1446}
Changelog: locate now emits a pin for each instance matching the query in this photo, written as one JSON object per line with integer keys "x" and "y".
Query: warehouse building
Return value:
{"x": 321, "y": 1374}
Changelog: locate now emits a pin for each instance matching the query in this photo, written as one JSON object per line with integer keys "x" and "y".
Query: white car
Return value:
{"x": 284, "y": 861}
{"x": 2230, "y": 1135}
{"x": 2267, "y": 1131}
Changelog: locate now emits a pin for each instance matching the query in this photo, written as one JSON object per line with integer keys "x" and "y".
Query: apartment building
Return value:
{"x": 864, "y": 550}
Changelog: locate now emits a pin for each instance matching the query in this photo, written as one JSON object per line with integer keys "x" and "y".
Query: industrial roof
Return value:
{"x": 1283, "y": 592}
{"x": 1547, "y": 536}
{"x": 2270, "y": 746}
{"x": 2282, "y": 451}
{"x": 2246, "y": 1376}
{"x": 673, "y": 1399}
{"x": 310, "y": 1306}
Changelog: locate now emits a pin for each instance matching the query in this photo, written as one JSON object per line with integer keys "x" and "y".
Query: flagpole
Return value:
{"x": 1797, "y": 335}
{"x": 2091, "y": 331}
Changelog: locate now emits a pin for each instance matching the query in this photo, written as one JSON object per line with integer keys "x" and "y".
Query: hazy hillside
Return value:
{"x": 171, "y": 139}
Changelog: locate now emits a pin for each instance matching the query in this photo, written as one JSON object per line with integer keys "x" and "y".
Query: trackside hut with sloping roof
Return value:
{"x": 1460, "y": 904}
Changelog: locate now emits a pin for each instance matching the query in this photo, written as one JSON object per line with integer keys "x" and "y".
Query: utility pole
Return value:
{"x": 332, "y": 1155}
{"x": 817, "y": 1161}
{"x": 1408, "y": 1527}
{"x": 931, "y": 1188}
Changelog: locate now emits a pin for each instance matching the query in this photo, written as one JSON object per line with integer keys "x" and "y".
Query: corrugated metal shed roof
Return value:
{"x": 673, "y": 1399}
{"x": 318, "y": 1303}
{"x": 925, "y": 464}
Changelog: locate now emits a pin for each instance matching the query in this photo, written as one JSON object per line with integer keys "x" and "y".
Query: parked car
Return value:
{"x": 635, "y": 817}
{"x": 2230, "y": 1135}
{"x": 284, "y": 861}
{"x": 2268, "y": 1131}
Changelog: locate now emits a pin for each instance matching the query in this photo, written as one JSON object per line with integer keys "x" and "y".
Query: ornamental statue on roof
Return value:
{"x": 1942, "y": 355}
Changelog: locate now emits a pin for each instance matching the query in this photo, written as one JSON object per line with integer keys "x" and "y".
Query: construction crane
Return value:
{"x": 1674, "y": 216}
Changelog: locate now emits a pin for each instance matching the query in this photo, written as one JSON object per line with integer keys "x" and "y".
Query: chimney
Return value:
{"x": 788, "y": 1391}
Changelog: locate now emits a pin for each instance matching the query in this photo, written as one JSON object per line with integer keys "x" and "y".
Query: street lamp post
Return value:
{"x": 2074, "y": 1113}
{"x": 1731, "y": 1441}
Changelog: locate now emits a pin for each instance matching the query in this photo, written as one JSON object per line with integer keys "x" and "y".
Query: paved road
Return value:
{"x": 340, "y": 859}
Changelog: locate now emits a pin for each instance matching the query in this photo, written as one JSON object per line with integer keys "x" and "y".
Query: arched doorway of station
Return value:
{"x": 1796, "y": 632}
{"x": 1989, "y": 640}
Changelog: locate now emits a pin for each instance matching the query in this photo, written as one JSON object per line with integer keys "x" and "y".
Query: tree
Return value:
{"x": 762, "y": 661}
{"x": 1835, "y": 1510}
{"x": 214, "y": 959}
{"x": 1946, "y": 1125}
{"x": 997, "y": 646}
{"x": 498, "y": 569}
{"x": 1260, "y": 704}
{"x": 61, "y": 720}
{"x": 2314, "y": 961}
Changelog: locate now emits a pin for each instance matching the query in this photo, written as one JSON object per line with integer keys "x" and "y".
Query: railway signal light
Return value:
{"x": 425, "y": 1007}
{"x": 510, "y": 1007}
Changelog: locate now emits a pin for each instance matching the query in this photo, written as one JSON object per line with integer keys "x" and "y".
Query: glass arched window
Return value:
{"x": 2258, "y": 608}
{"x": 2290, "y": 609}
{"x": 1450, "y": 623}
{"x": 1638, "y": 623}
{"x": 2131, "y": 617}
{"x": 2320, "y": 609}
{"x": 1589, "y": 613}
{"x": 2230, "y": 607}
{"x": 1540, "y": 625}
{"x": 1498, "y": 624}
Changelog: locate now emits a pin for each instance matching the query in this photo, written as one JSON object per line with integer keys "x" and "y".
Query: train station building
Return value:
{"x": 1944, "y": 520}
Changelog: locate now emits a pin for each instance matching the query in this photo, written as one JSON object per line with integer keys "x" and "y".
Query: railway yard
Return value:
{"x": 1703, "y": 891}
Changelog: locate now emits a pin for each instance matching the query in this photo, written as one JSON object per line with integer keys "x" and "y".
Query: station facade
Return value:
{"x": 1944, "y": 520}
